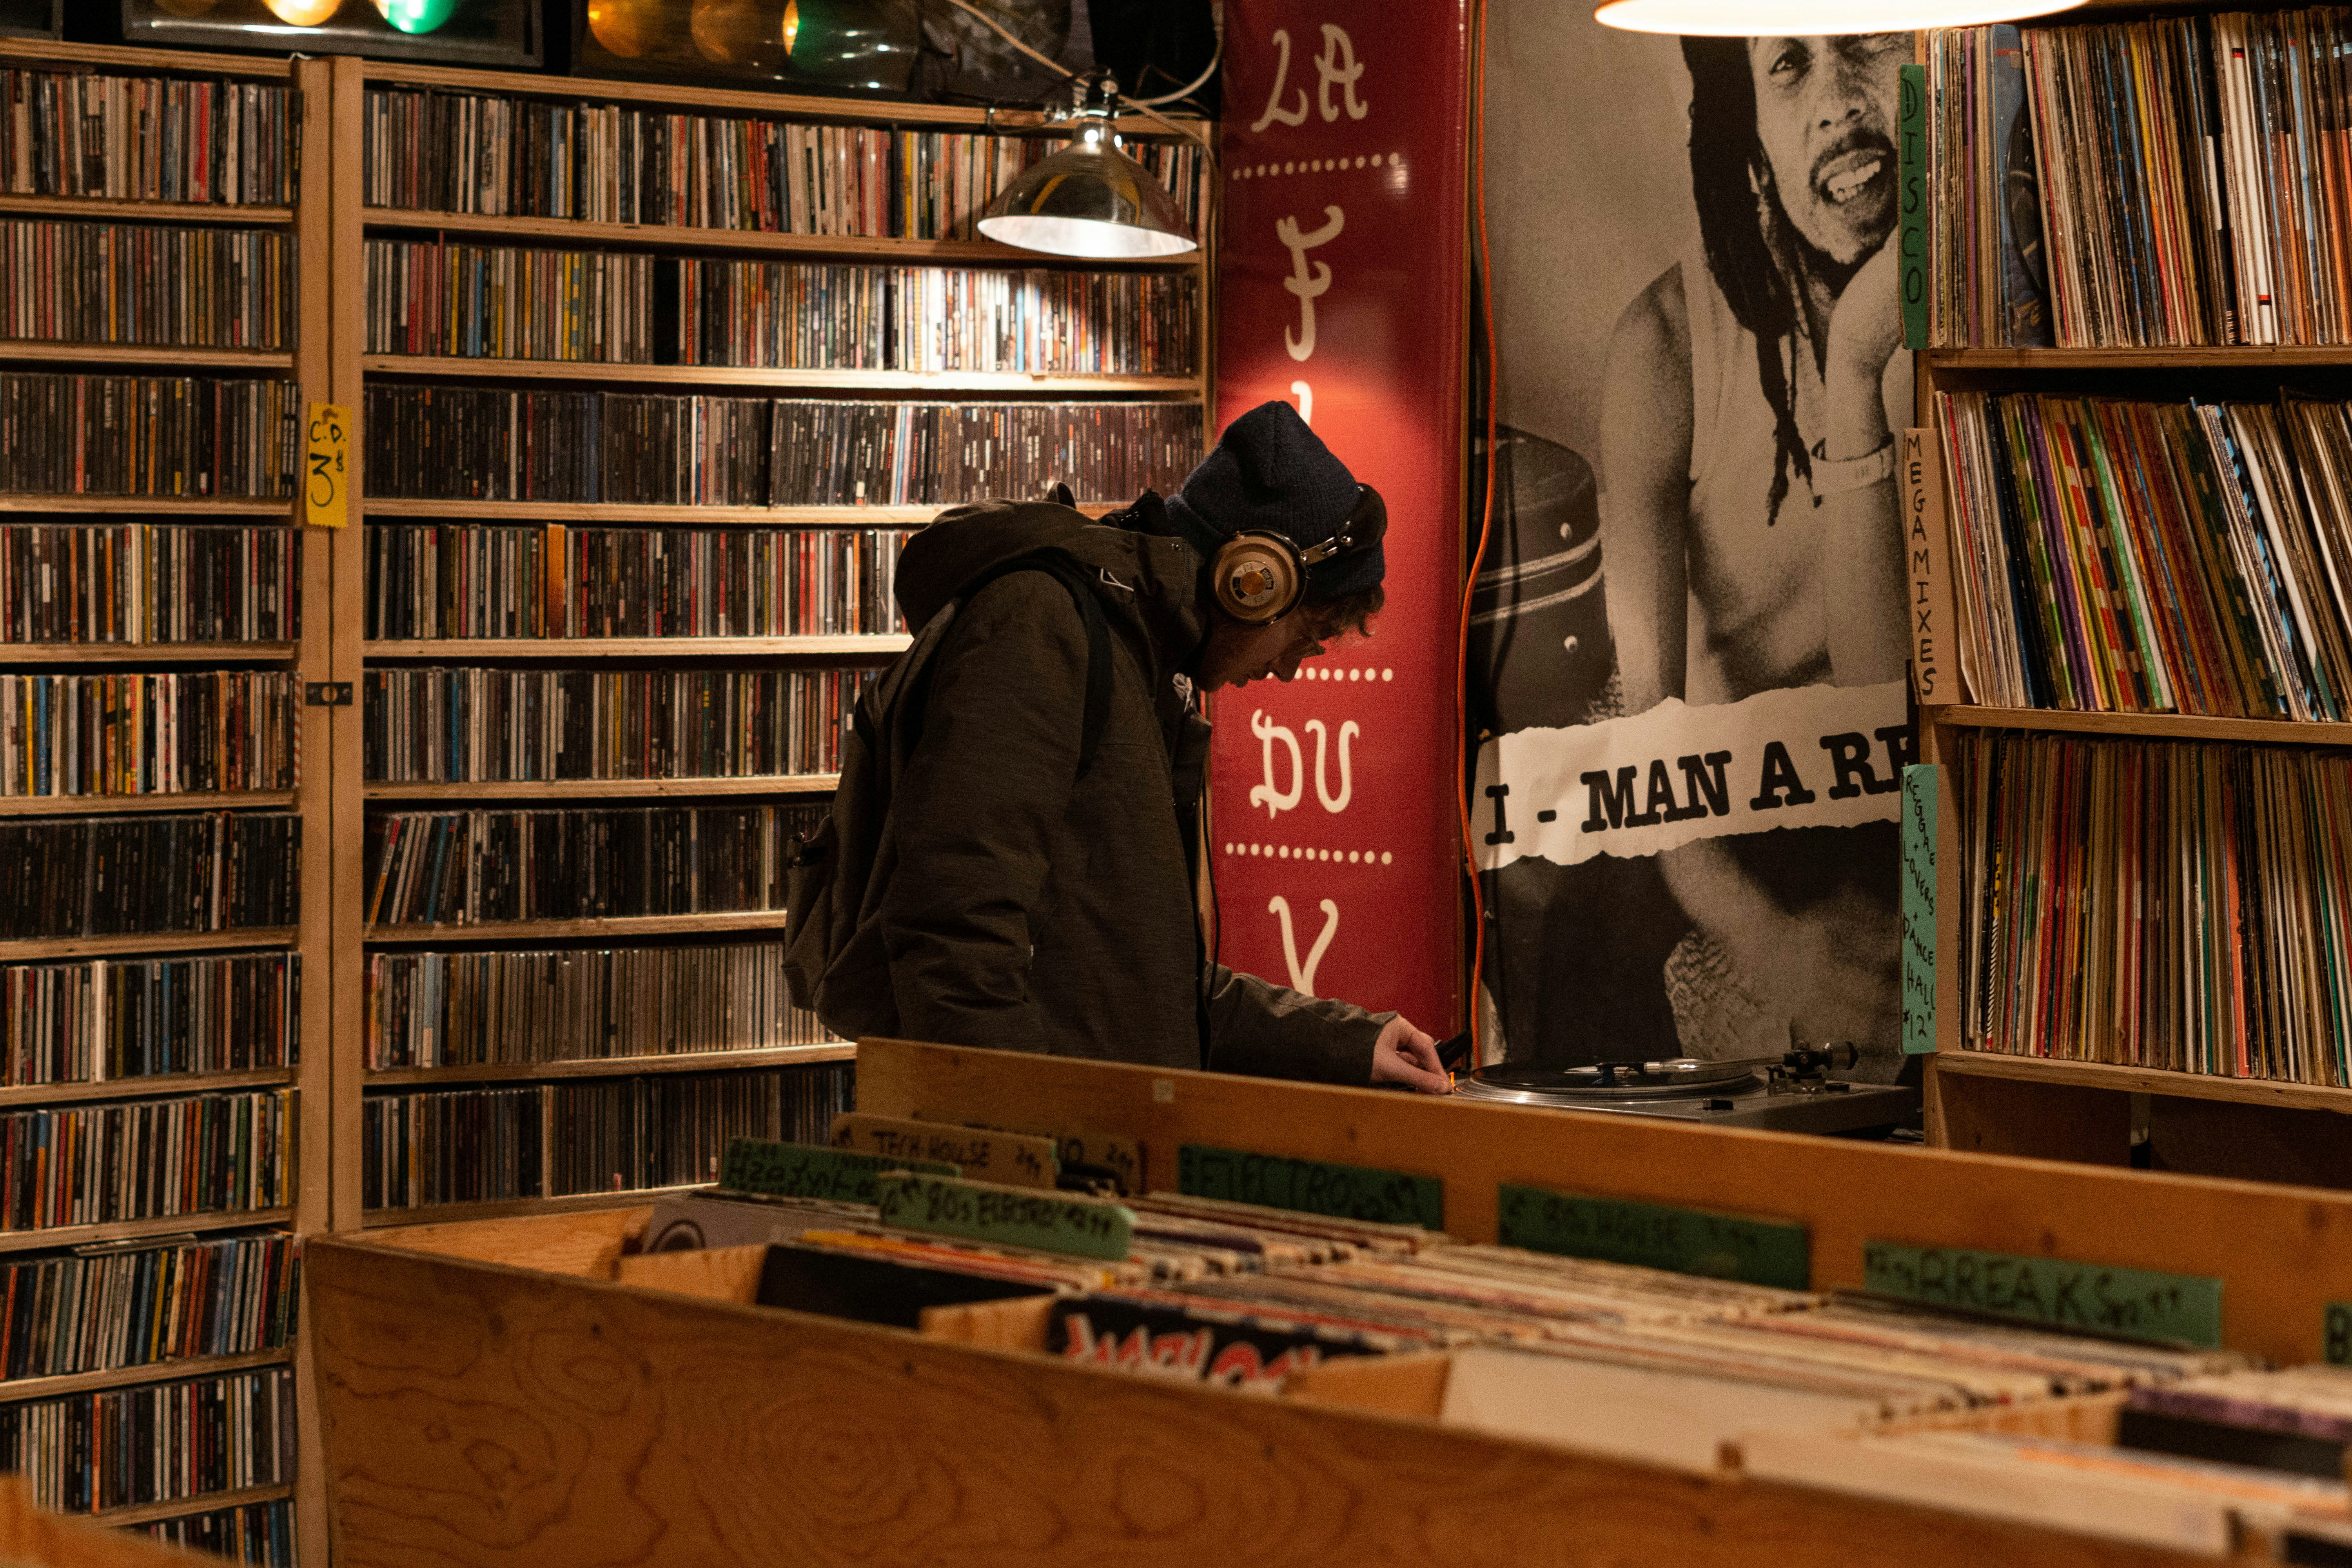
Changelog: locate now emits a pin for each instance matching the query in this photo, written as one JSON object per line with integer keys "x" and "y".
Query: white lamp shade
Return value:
{"x": 1793, "y": 18}
{"x": 1089, "y": 200}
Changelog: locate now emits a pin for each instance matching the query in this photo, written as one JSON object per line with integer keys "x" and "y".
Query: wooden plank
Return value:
{"x": 613, "y": 925}
{"x": 2236, "y": 355}
{"x": 608, "y": 789}
{"x": 203, "y": 1502}
{"x": 139, "y": 1229}
{"x": 48, "y": 54}
{"x": 2154, "y": 726}
{"x": 611, "y": 1067}
{"x": 254, "y": 216}
{"x": 116, "y": 805}
{"x": 623, "y": 1426}
{"x": 2286, "y": 1251}
{"x": 604, "y": 514}
{"x": 174, "y": 506}
{"x": 718, "y": 1273}
{"x": 19, "y": 351}
{"x": 21, "y": 1388}
{"x": 710, "y": 99}
{"x": 30, "y": 653}
{"x": 919, "y": 382}
{"x": 572, "y": 232}
{"x": 148, "y": 1087}
{"x": 584, "y": 1243}
{"x": 879, "y": 647}
{"x": 2039, "y": 1120}
{"x": 456, "y": 1217}
{"x": 2147, "y": 1080}
{"x": 41, "y": 949}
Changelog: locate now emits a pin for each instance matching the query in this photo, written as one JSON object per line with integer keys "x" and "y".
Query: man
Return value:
{"x": 1031, "y": 905}
{"x": 1748, "y": 507}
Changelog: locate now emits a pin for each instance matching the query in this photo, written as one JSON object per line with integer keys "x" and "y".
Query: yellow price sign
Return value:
{"x": 327, "y": 467}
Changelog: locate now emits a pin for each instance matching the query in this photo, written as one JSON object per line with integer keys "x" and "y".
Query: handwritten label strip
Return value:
{"x": 1310, "y": 1186}
{"x": 1655, "y": 1236}
{"x": 2133, "y": 1303}
{"x": 1006, "y": 1217}
{"x": 804, "y": 1171}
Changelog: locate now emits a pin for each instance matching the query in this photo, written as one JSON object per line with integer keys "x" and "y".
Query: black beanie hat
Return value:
{"x": 1270, "y": 471}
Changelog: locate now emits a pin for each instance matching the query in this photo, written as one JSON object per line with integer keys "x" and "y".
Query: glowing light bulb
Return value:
{"x": 625, "y": 28}
{"x": 792, "y": 24}
{"x": 417, "y": 15}
{"x": 304, "y": 12}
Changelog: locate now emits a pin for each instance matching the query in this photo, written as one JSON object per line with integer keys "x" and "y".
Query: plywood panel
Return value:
{"x": 481, "y": 1417}
{"x": 1990, "y": 1115}
{"x": 2286, "y": 1251}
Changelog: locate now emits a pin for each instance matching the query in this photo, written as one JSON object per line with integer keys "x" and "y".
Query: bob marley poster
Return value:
{"x": 1687, "y": 635}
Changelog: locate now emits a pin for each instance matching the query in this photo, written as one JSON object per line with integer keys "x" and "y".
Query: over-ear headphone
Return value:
{"x": 1259, "y": 575}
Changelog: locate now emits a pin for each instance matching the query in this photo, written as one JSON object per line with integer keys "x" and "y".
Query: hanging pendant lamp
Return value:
{"x": 1795, "y": 18}
{"x": 1090, "y": 199}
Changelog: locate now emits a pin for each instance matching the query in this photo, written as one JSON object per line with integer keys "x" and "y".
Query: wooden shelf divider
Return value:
{"x": 2232, "y": 356}
{"x": 148, "y": 1512}
{"x": 36, "y": 949}
{"x": 611, "y": 1067}
{"x": 2128, "y": 1079}
{"x": 19, "y": 653}
{"x": 121, "y": 804}
{"x": 876, "y": 646}
{"x": 615, "y": 926}
{"x": 162, "y": 356}
{"x": 64, "y": 1236}
{"x": 23, "y": 1388}
{"x": 2146, "y": 726}
{"x": 891, "y": 381}
{"x": 159, "y": 1085}
{"x": 509, "y": 1208}
{"x": 607, "y": 789}
{"x": 605, "y": 514}
{"x": 816, "y": 247}
{"x": 161, "y": 506}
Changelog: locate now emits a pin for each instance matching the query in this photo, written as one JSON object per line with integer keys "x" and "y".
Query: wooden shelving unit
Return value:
{"x": 919, "y": 384}
{"x": 607, "y": 789}
{"x": 874, "y": 649}
{"x": 562, "y": 930}
{"x": 2100, "y": 1113}
{"x": 609, "y": 1066}
{"x": 25, "y": 1388}
{"x": 118, "y": 805}
{"x": 355, "y": 371}
{"x": 155, "y": 1086}
{"x": 56, "y": 1236}
{"x": 311, "y": 1166}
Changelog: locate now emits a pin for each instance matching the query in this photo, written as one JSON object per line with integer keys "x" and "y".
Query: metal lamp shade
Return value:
{"x": 1089, "y": 200}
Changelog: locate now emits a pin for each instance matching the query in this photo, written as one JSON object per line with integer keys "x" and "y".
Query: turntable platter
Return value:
{"x": 1607, "y": 1081}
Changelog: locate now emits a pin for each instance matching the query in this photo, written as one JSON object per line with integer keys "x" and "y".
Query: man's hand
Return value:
{"x": 1865, "y": 329}
{"x": 1404, "y": 1055}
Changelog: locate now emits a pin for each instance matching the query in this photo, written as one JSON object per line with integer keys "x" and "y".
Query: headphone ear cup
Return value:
{"x": 1258, "y": 578}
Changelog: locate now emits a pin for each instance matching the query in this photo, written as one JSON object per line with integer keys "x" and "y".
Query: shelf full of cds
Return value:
{"x": 652, "y": 389}
{"x": 162, "y": 1129}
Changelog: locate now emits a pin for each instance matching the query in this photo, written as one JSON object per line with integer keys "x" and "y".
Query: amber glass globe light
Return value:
{"x": 1089, "y": 199}
{"x": 303, "y": 13}
{"x": 625, "y": 28}
{"x": 1784, "y": 18}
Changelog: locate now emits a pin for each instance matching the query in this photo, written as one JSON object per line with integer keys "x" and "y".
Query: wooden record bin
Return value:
{"x": 489, "y": 1397}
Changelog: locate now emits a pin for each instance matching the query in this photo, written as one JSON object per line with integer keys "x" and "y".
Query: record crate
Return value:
{"x": 496, "y": 1394}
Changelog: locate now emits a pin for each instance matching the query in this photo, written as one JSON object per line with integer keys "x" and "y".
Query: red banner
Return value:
{"x": 1342, "y": 288}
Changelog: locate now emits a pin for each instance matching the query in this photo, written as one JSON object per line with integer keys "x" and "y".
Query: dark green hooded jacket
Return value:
{"x": 1028, "y": 909}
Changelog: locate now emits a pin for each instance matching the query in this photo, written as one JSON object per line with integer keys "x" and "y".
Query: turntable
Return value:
{"x": 1791, "y": 1093}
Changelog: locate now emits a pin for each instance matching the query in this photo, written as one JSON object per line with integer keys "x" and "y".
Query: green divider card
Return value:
{"x": 2130, "y": 1303}
{"x": 1919, "y": 808}
{"x": 1310, "y": 1186}
{"x": 2336, "y": 1332}
{"x": 804, "y": 1171}
{"x": 1007, "y": 1217}
{"x": 1911, "y": 89}
{"x": 1656, "y": 1236}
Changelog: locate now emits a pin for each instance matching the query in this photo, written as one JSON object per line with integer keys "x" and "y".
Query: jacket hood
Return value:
{"x": 1147, "y": 577}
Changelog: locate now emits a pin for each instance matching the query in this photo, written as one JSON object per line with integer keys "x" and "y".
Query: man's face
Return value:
{"x": 1238, "y": 653}
{"x": 1825, "y": 114}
